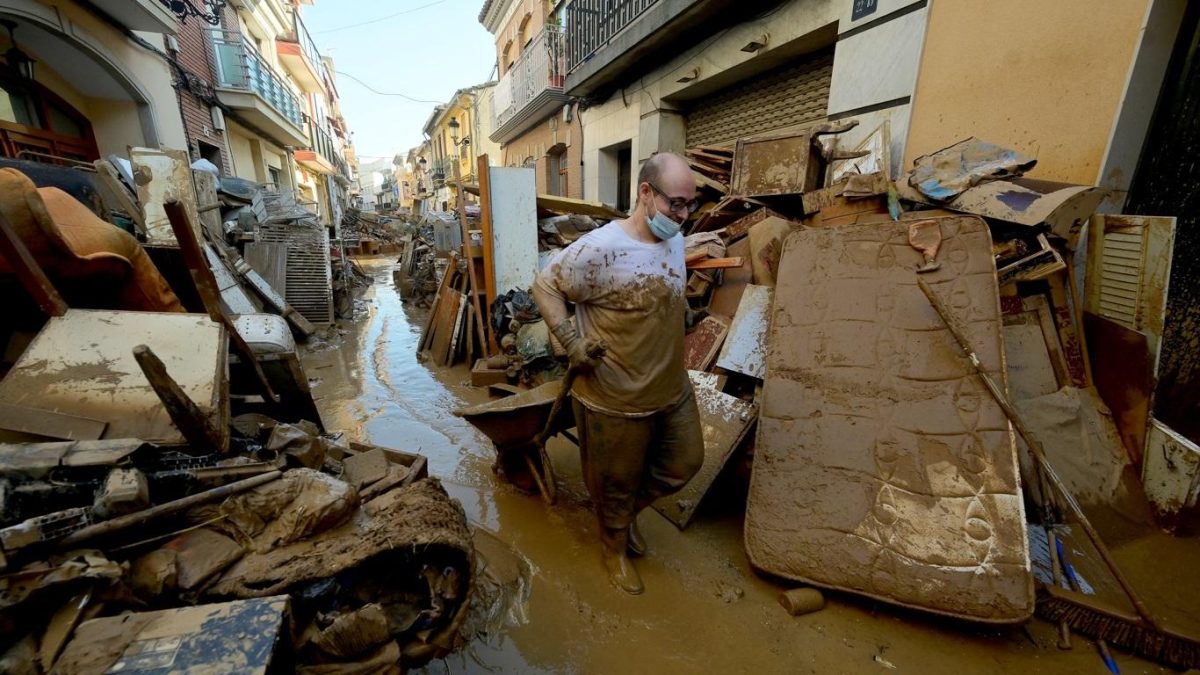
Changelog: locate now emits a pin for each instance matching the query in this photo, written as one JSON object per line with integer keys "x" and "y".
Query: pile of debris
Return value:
{"x": 367, "y": 233}
{"x": 830, "y": 307}
{"x": 169, "y": 495}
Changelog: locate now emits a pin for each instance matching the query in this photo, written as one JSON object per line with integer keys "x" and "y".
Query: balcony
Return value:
{"x": 299, "y": 55}
{"x": 533, "y": 87}
{"x": 248, "y": 84}
{"x": 152, "y": 16}
{"x": 322, "y": 157}
{"x": 611, "y": 42}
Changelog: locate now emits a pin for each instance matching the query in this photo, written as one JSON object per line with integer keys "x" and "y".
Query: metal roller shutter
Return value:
{"x": 793, "y": 95}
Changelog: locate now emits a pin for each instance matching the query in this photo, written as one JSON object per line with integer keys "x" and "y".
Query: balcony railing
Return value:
{"x": 300, "y": 35}
{"x": 593, "y": 23}
{"x": 240, "y": 66}
{"x": 541, "y": 67}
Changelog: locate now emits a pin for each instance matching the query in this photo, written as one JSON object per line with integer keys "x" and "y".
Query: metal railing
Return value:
{"x": 541, "y": 67}
{"x": 442, "y": 170}
{"x": 593, "y": 23}
{"x": 240, "y": 66}
{"x": 299, "y": 34}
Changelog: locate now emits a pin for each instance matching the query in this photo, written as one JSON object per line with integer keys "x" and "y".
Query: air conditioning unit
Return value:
{"x": 218, "y": 118}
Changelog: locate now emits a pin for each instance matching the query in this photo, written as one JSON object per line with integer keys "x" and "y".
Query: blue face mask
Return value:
{"x": 663, "y": 227}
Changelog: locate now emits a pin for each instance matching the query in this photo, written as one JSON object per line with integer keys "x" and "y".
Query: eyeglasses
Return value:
{"x": 677, "y": 205}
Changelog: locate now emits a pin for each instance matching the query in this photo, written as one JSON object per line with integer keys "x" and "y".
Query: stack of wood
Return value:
{"x": 712, "y": 166}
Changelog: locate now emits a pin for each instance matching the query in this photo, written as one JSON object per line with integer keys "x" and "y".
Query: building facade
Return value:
{"x": 534, "y": 121}
{"x": 458, "y": 132}
{"x": 922, "y": 74}
{"x": 284, "y": 122}
{"x": 98, "y": 78}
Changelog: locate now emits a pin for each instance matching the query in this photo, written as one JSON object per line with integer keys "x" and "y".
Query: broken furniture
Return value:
{"x": 82, "y": 364}
{"x": 90, "y": 262}
{"x": 882, "y": 466}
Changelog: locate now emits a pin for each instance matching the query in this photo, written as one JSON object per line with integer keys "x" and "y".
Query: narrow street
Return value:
{"x": 704, "y": 609}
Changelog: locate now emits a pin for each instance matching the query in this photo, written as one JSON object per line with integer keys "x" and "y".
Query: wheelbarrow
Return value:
{"x": 518, "y": 427}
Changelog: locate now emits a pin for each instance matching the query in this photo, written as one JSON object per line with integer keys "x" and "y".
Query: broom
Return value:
{"x": 1140, "y": 632}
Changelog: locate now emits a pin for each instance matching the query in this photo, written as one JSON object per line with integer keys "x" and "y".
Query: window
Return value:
{"x": 556, "y": 170}
{"x": 210, "y": 152}
{"x": 35, "y": 120}
{"x": 274, "y": 173}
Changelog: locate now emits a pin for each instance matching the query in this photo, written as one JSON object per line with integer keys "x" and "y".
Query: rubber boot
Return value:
{"x": 620, "y": 568}
{"x": 637, "y": 544}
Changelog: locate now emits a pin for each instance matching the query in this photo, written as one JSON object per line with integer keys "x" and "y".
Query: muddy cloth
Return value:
{"x": 946, "y": 173}
{"x": 630, "y": 294}
{"x": 629, "y": 462}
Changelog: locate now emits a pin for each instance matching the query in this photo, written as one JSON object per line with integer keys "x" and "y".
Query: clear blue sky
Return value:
{"x": 430, "y": 51}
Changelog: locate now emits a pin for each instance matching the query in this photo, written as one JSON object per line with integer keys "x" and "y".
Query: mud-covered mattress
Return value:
{"x": 882, "y": 465}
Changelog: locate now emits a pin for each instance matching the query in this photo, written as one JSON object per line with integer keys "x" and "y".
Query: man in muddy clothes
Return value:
{"x": 638, "y": 424}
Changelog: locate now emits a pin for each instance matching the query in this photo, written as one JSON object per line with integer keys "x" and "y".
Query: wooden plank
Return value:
{"x": 209, "y": 207}
{"x": 709, "y": 183}
{"x": 31, "y": 275}
{"x": 716, "y": 263}
{"x": 724, "y": 423}
{"x": 269, "y": 259}
{"x": 50, "y": 423}
{"x": 428, "y": 328}
{"x": 483, "y": 327}
{"x": 745, "y": 347}
{"x": 1067, "y": 331}
{"x": 738, "y": 228}
{"x": 728, "y": 294}
{"x": 1041, "y": 309}
{"x": 1124, "y": 378}
{"x": 701, "y": 345}
{"x": 719, "y": 159}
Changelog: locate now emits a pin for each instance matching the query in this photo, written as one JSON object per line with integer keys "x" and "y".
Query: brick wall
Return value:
{"x": 195, "y": 55}
{"x": 537, "y": 143}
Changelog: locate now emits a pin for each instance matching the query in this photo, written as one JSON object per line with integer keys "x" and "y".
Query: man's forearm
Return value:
{"x": 553, "y": 307}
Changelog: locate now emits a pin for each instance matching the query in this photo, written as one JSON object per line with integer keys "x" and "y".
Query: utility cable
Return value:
{"x": 382, "y": 18}
{"x": 384, "y": 93}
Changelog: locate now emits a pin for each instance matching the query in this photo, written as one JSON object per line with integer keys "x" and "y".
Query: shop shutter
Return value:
{"x": 791, "y": 96}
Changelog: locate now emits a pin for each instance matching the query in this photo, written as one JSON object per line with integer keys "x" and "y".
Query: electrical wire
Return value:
{"x": 382, "y": 18}
{"x": 373, "y": 90}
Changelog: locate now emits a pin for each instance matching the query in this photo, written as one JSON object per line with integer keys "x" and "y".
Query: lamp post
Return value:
{"x": 18, "y": 60}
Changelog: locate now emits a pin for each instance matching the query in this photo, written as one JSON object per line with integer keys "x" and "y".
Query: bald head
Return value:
{"x": 664, "y": 166}
{"x": 670, "y": 174}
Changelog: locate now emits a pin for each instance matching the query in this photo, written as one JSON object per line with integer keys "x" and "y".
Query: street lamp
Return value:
{"x": 18, "y": 60}
{"x": 454, "y": 131}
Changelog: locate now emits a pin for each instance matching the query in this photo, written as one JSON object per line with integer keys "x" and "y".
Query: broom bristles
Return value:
{"x": 1128, "y": 632}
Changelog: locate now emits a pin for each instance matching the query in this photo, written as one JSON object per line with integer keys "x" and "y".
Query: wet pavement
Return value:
{"x": 704, "y": 609}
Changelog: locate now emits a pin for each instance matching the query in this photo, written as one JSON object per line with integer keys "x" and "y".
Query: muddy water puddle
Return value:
{"x": 704, "y": 609}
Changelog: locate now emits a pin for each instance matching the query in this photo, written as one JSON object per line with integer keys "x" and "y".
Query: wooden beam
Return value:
{"x": 31, "y": 275}
{"x": 487, "y": 338}
{"x": 717, "y": 263}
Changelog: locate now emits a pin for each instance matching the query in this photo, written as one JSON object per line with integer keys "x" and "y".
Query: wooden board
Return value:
{"x": 160, "y": 175}
{"x": 82, "y": 364}
{"x": 745, "y": 346}
{"x": 724, "y": 422}
{"x": 728, "y": 294}
{"x": 449, "y": 310}
{"x": 206, "y": 196}
{"x": 738, "y": 228}
{"x": 108, "y": 174}
{"x": 716, "y": 263}
{"x": 1124, "y": 378}
{"x": 701, "y": 345}
{"x": 49, "y": 424}
{"x": 1030, "y": 372}
{"x": 270, "y": 261}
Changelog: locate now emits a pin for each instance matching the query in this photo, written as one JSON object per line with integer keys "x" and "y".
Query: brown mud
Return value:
{"x": 704, "y": 609}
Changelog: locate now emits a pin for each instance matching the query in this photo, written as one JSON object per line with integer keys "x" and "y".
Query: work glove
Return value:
{"x": 584, "y": 355}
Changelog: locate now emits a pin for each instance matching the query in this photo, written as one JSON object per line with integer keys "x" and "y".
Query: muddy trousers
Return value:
{"x": 629, "y": 462}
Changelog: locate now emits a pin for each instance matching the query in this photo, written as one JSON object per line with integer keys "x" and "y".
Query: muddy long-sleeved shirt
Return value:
{"x": 630, "y": 294}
